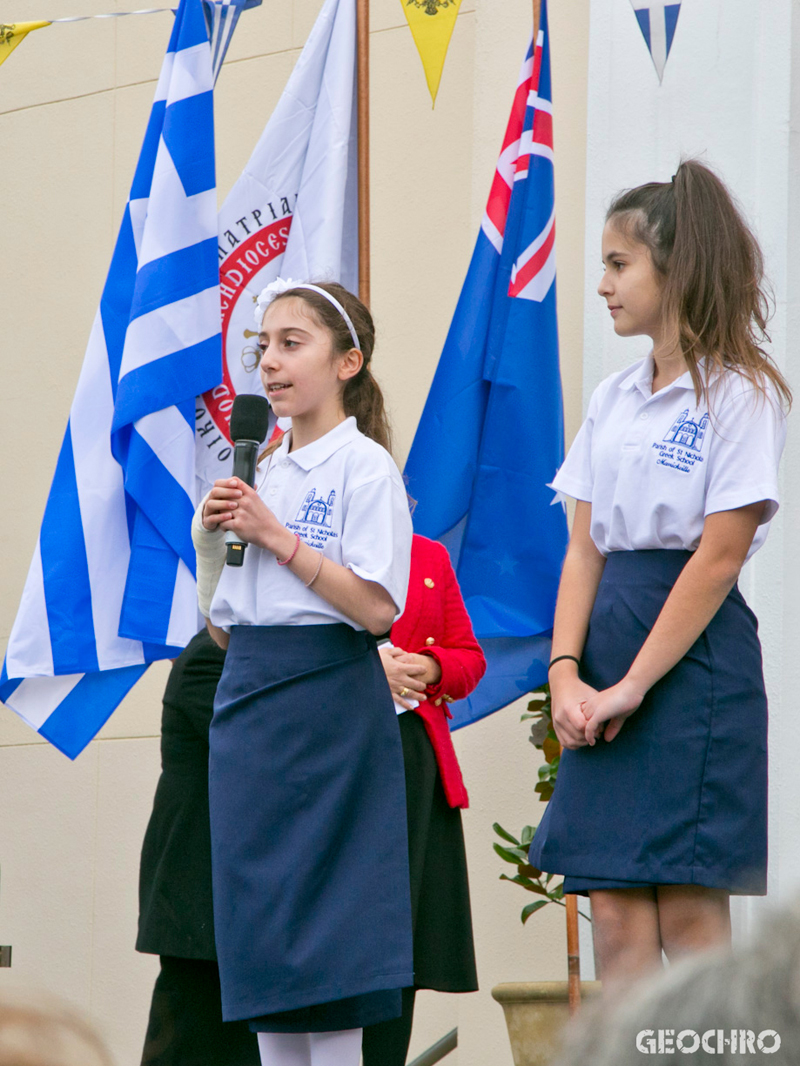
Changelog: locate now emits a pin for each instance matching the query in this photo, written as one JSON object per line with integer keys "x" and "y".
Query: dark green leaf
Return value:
{"x": 532, "y": 908}
{"x": 504, "y": 834}
{"x": 512, "y": 855}
{"x": 526, "y": 883}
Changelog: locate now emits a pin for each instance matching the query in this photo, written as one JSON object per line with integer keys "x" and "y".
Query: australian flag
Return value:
{"x": 491, "y": 435}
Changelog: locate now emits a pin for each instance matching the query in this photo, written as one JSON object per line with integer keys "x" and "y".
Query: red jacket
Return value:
{"x": 435, "y": 622}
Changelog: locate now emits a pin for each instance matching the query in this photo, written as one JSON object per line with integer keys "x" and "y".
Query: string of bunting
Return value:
{"x": 221, "y": 19}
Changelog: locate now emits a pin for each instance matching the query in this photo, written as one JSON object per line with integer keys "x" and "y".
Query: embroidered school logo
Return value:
{"x": 316, "y": 511}
{"x": 686, "y": 432}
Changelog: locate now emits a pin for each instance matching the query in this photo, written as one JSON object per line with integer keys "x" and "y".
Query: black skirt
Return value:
{"x": 312, "y": 911}
{"x": 186, "y": 1027}
{"x": 444, "y": 956}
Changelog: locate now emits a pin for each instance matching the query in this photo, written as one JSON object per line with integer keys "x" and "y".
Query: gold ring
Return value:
{"x": 403, "y": 691}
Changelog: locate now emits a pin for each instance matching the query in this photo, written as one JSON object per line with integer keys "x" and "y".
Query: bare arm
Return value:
{"x": 234, "y": 505}
{"x": 696, "y": 597}
{"x": 583, "y": 568}
{"x": 219, "y": 636}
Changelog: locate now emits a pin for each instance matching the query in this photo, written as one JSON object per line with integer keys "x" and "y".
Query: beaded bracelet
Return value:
{"x": 294, "y": 552}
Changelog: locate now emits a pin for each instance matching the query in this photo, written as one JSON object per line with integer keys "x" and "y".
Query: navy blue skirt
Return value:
{"x": 679, "y": 797}
{"x": 312, "y": 910}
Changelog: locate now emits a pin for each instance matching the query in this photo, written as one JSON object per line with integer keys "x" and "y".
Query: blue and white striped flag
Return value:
{"x": 657, "y": 21}
{"x": 111, "y": 586}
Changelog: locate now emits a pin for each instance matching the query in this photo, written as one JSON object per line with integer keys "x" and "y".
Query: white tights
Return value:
{"x": 342, "y": 1048}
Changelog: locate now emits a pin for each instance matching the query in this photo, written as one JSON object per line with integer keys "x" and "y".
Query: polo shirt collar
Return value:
{"x": 640, "y": 376}
{"x": 322, "y": 449}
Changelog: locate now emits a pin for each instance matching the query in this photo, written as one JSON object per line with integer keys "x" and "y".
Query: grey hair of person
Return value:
{"x": 37, "y": 1029}
{"x": 743, "y": 1004}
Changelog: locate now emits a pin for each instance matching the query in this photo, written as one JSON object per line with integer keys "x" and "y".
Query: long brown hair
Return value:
{"x": 713, "y": 274}
{"x": 362, "y": 396}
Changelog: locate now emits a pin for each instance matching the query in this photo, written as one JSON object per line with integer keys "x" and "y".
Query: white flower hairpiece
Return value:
{"x": 279, "y": 285}
{"x": 268, "y": 294}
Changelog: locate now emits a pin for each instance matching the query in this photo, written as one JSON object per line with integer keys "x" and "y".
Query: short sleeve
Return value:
{"x": 574, "y": 477}
{"x": 749, "y": 435}
{"x": 376, "y": 536}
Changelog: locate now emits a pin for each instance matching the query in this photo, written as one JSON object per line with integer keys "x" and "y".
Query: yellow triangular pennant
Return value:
{"x": 432, "y": 23}
{"x": 13, "y": 34}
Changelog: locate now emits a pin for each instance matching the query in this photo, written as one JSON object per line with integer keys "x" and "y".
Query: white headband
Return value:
{"x": 280, "y": 285}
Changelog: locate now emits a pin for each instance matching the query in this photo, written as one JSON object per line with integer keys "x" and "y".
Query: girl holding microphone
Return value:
{"x": 309, "y": 842}
{"x": 660, "y": 810}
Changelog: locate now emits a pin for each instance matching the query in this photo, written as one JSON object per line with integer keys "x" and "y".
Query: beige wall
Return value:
{"x": 73, "y": 103}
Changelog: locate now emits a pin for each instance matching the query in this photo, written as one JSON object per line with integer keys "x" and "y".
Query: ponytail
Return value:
{"x": 714, "y": 294}
{"x": 364, "y": 400}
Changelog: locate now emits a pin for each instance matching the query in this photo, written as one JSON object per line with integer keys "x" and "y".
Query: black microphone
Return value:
{"x": 249, "y": 426}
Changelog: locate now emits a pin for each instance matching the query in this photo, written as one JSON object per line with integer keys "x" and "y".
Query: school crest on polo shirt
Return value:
{"x": 682, "y": 444}
{"x": 688, "y": 433}
{"x": 315, "y": 511}
{"x": 314, "y": 519}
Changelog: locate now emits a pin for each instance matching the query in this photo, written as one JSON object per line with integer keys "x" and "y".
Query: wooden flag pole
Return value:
{"x": 362, "y": 73}
{"x": 573, "y": 954}
{"x": 573, "y": 941}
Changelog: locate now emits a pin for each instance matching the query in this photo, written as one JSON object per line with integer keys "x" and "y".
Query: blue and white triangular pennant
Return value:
{"x": 657, "y": 21}
{"x": 221, "y": 19}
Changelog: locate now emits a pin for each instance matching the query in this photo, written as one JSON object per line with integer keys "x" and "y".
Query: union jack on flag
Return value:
{"x": 491, "y": 435}
{"x": 529, "y": 132}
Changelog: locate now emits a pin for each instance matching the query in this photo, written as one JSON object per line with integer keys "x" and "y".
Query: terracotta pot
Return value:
{"x": 536, "y": 1012}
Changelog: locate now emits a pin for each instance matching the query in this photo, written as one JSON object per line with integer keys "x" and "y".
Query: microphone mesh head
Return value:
{"x": 249, "y": 418}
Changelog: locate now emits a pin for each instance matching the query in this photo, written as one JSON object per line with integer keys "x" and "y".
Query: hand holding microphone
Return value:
{"x": 249, "y": 427}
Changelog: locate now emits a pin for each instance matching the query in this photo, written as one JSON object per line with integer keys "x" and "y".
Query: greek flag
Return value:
{"x": 111, "y": 586}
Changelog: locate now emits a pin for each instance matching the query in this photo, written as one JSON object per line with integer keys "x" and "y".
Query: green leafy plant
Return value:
{"x": 515, "y": 851}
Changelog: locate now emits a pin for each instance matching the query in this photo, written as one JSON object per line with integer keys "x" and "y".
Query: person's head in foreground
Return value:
{"x": 739, "y": 1006}
{"x": 42, "y": 1031}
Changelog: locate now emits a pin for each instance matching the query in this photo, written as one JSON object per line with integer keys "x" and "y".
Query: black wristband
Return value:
{"x": 558, "y": 659}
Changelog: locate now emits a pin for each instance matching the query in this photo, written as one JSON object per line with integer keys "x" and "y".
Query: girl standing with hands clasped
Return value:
{"x": 660, "y": 810}
{"x": 309, "y": 842}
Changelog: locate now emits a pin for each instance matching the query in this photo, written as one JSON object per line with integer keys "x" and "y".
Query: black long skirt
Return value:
{"x": 444, "y": 956}
{"x": 312, "y": 910}
{"x": 680, "y": 795}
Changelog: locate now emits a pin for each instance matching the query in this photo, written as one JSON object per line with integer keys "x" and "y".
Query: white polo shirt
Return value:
{"x": 345, "y": 497}
{"x": 653, "y": 466}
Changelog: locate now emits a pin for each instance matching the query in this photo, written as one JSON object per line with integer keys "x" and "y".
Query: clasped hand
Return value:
{"x": 234, "y": 505}
{"x": 409, "y": 674}
{"x": 581, "y": 714}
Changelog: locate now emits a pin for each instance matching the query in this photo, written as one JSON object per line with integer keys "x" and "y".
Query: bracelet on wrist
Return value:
{"x": 316, "y": 572}
{"x": 285, "y": 562}
{"x": 558, "y": 659}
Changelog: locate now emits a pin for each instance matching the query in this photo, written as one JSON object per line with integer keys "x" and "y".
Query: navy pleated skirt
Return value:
{"x": 680, "y": 795}
{"x": 312, "y": 911}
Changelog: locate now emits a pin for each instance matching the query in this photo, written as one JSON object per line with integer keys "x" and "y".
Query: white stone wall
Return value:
{"x": 74, "y": 100}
